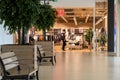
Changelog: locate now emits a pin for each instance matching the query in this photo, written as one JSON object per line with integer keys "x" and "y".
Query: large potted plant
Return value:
{"x": 19, "y": 15}
{"x": 88, "y": 37}
{"x": 102, "y": 39}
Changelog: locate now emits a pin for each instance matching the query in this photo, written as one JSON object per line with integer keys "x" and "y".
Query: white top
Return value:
{"x": 77, "y": 38}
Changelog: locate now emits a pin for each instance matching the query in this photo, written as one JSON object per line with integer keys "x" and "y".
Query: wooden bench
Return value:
{"x": 42, "y": 54}
{"x": 11, "y": 68}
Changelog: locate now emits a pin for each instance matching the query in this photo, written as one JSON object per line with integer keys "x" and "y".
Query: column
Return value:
{"x": 110, "y": 25}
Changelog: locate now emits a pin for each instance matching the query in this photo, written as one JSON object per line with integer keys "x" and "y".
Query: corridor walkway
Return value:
{"x": 81, "y": 66}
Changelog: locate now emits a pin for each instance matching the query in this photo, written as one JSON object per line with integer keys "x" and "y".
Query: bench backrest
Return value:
{"x": 8, "y": 61}
{"x": 40, "y": 49}
{"x": 22, "y": 52}
{"x": 48, "y": 47}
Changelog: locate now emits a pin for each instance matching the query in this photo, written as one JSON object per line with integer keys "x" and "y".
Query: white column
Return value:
{"x": 94, "y": 32}
{"x": 117, "y": 9}
{"x": 0, "y": 49}
{"x": 106, "y": 24}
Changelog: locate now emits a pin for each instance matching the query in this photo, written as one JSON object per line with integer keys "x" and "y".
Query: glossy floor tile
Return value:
{"x": 81, "y": 66}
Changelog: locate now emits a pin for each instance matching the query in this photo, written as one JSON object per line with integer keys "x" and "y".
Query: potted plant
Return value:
{"x": 102, "y": 39}
{"x": 88, "y": 37}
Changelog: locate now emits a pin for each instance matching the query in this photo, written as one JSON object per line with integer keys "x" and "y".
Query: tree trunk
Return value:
{"x": 23, "y": 36}
{"x": 44, "y": 34}
{"x": 19, "y": 36}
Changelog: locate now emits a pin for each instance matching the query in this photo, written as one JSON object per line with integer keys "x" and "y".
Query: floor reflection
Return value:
{"x": 82, "y": 66}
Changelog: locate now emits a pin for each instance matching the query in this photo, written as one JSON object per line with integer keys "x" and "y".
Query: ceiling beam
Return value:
{"x": 87, "y": 17}
{"x": 98, "y": 15}
{"x": 75, "y": 21}
{"x": 64, "y": 19}
{"x": 101, "y": 19}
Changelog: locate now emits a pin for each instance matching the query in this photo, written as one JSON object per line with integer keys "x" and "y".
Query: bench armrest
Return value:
{"x": 19, "y": 66}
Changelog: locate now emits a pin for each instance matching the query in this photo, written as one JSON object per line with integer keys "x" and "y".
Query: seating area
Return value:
{"x": 12, "y": 68}
{"x": 70, "y": 65}
{"x": 22, "y": 61}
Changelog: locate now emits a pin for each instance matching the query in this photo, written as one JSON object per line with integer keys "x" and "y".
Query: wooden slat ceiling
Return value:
{"x": 82, "y": 15}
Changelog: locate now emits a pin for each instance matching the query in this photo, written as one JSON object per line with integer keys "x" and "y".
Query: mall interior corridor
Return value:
{"x": 81, "y": 66}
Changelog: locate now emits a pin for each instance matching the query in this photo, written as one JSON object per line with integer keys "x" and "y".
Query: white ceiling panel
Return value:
{"x": 73, "y": 3}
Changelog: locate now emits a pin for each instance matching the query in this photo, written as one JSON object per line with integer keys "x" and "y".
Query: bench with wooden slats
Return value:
{"x": 8, "y": 61}
{"x": 43, "y": 53}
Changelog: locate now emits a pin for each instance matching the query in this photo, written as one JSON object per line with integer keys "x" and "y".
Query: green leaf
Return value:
{"x": 18, "y": 13}
{"x": 46, "y": 17}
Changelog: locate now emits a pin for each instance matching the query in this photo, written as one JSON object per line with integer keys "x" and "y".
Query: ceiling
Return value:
{"x": 84, "y": 15}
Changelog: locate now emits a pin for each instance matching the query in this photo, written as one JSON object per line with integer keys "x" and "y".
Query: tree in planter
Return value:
{"x": 89, "y": 36}
{"x": 46, "y": 18}
{"x": 18, "y": 14}
{"x": 102, "y": 39}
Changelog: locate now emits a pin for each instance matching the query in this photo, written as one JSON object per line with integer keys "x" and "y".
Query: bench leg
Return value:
{"x": 37, "y": 77}
{"x": 55, "y": 59}
{"x": 52, "y": 61}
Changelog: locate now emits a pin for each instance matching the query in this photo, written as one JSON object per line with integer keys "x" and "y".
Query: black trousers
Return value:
{"x": 63, "y": 44}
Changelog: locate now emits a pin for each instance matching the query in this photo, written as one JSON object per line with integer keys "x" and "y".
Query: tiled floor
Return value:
{"x": 72, "y": 65}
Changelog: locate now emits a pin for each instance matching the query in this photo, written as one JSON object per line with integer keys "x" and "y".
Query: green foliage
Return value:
{"x": 22, "y": 14}
{"x": 46, "y": 17}
{"x": 89, "y": 36}
{"x": 18, "y": 13}
{"x": 102, "y": 37}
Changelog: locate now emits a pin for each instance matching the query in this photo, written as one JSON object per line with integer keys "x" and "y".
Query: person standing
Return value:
{"x": 63, "y": 40}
